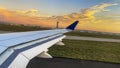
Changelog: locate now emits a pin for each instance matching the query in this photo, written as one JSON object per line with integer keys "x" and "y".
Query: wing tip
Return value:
{"x": 73, "y": 25}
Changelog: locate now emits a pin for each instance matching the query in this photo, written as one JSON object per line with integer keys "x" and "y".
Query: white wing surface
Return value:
{"x": 17, "y": 49}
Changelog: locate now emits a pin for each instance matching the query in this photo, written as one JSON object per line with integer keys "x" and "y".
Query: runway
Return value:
{"x": 92, "y": 39}
{"x": 68, "y": 63}
{"x": 1, "y": 32}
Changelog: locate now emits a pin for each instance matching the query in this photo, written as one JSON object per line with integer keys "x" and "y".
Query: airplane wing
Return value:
{"x": 17, "y": 49}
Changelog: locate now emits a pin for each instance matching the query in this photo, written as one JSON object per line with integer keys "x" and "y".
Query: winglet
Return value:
{"x": 72, "y": 26}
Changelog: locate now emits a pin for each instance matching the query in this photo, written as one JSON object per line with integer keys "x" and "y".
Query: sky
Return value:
{"x": 97, "y": 15}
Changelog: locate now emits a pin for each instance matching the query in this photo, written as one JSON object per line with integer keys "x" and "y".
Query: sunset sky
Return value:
{"x": 98, "y": 15}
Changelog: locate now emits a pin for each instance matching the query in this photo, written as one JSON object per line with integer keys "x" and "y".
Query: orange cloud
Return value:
{"x": 85, "y": 17}
{"x": 30, "y": 12}
{"x": 21, "y": 17}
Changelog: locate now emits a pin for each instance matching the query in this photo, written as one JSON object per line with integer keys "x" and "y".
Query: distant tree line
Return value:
{"x": 19, "y": 28}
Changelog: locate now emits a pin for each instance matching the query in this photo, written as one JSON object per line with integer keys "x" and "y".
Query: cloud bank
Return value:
{"x": 34, "y": 17}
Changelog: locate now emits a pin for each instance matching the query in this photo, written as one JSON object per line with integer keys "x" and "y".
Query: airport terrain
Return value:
{"x": 79, "y": 49}
{"x": 92, "y": 39}
{"x": 88, "y": 50}
{"x": 95, "y": 34}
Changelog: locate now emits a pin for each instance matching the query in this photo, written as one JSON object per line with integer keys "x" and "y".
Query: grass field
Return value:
{"x": 98, "y": 35}
{"x": 88, "y": 50}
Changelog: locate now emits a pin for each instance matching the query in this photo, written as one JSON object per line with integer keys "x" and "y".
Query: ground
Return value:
{"x": 98, "y": 35}
{"x": 88, "y": 50}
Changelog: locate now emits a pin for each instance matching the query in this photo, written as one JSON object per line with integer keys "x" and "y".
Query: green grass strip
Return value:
{"x": 88, "y": 50}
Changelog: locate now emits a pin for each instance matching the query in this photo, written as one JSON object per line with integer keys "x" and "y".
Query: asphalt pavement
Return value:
{"x": 92, "y": 39}
{"x": 1, "y": 32}
{"x": 68, "y": 63}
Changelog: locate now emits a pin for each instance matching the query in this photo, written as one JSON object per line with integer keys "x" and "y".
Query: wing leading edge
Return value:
{"x": 27, "y": 45}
